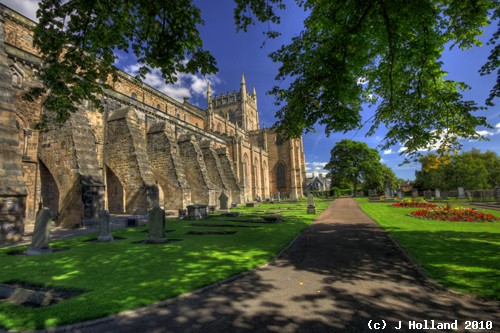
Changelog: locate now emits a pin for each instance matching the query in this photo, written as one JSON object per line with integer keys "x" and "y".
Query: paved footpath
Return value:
{"x": 342, "y": 272}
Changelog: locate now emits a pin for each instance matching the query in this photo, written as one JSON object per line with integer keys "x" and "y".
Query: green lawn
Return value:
{"x": 125, "y": 274}
{"x": 462, "y": 256}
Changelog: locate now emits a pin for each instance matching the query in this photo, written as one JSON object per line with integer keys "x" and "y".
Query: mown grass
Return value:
{"x": 125, "y": 274}
{"x": 462, "y": 256}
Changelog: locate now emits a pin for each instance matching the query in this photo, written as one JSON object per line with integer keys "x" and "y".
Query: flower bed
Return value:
{"x": 414, "y": 204}
{"x": 454, "y": 214}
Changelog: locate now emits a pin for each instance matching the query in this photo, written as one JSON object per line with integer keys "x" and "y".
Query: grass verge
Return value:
{"x": 126, "y": 274}
{"x": 461, "y": 256}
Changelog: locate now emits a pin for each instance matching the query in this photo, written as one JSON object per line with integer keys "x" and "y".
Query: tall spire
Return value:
{"x": 209, "y": 97}
{"x": 243, "y": 78}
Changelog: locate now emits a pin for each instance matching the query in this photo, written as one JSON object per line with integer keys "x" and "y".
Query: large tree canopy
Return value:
{"x": 387, "y": 54}
{"x": 355, "y": 161}
{"x": 382, "y": 52}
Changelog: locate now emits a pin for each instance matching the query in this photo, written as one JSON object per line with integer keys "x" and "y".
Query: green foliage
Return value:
{"x": 381, "y": 53}
{"x": 472, "y": 170}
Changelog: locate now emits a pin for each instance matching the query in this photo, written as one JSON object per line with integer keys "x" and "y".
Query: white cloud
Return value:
{"x": 27, "y": 8}
{"x": 388, "y": 152}
{"x": 187, "y": 85}
{"x": 485, "y": 133}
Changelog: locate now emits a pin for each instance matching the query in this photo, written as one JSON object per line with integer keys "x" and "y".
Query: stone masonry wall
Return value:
{"x": 12, "y": 187}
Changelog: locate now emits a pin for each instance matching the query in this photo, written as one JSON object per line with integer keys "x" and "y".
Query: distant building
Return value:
{"x": 406, "y": 186}
{"x": 318, "y": 182}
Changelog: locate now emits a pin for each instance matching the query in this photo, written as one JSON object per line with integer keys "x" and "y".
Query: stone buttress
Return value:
{"x": 236, "y": 193}
{"x": 167, "y": 165}
{"x": 214, "y": 168}
{"x": 128, "y": 163}
{"x": 69, "y": 152}
{"x": 203, "y": 191}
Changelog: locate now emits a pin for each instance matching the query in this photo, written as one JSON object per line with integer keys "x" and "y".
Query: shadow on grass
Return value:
{"x": 335, "y": 278}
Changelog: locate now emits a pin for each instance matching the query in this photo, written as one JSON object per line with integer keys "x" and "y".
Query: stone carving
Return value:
{"x": 156, "y": 225}
{"x": 414, "y": 194}
{"x": 41, "y": 233}
{"x": 104, "y": 227}
{"x": 388, "y": 192}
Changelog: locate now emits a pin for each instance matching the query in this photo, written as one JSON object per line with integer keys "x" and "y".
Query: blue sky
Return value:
{"x": 242, "y": 52}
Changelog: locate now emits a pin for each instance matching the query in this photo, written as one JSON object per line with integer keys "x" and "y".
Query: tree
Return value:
{"x": 472, "y": 170}
{"x": 383, "y": 53}
{"x": 354, "y": 161}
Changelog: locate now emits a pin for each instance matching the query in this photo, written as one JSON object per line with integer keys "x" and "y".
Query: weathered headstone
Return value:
{"x": 461, "y": 193}
{"x": 277, "y": 196}
{"x": 437, "y": 194}
{"x": 372, "y": 193}
{"x": 104, "y": 227}
{"x": 400, "y": 194}
{"x": 414, "y": 194}
{"x": 311, "y": 208}
{"x": 156, "y": 225}
{"x": 41, "y": 233}
{"x": 427, "y": 195}
{"x": 388, "y": 192}
{"x": 223, "y": 200}
{"x": 360, "y": 194}
{"x": 293, "y": 196}
{"x": 310, "y": 199}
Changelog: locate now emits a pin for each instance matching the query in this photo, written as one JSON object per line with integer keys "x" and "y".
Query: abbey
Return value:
{"x": 146, "y": 148}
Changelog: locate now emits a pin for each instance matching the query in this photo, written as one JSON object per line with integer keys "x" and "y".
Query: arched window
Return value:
{"x": 279, "y": 140}
{"x": 158, "y": 107}
{"x": 134, "y": 95}
{"x": 280, "y": 175}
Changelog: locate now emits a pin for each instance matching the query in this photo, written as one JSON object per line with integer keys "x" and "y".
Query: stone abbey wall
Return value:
{"x": 146, "y": 148}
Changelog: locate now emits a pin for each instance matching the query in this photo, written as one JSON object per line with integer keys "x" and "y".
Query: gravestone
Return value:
{"x": 414, "y": 194}
{"x": 293, "y": 196}
{"x": 372, "y": 193}
{"x": 388, "y": 192}
{"x": 461, "y": 193}
{"x": 360, "y": 194}
{"x": 104, "y": 227}
{"x": 223, "y": 200}
{"x": 41, "y": 233}
{"x": 437, "y": 195}
{"x": 311, "y": 208}
{"x": 400, "y": 194}
{"x": 156, "y": 225}
{"x": 277, "y": 196}
{"x": 497, "y": 193}
{"x": 427, "y": 195}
